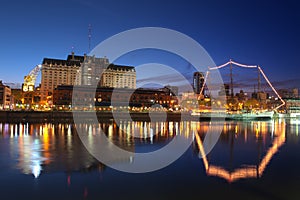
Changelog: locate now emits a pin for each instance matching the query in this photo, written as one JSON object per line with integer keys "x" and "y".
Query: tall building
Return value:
{"x": 83, "y": 70}
{"x": 295, "y": 93}
{"x": 119, "y": 76}
{"x": 91, "y": 70}
{"x": 5, "y": 96}
{"x": 59, "y": 72}
{"x": 198, "y": 81}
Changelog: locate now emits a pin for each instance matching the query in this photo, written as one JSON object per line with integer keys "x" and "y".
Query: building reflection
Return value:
{"x": 260, "y": 129}
{"x": 47, "y": 148}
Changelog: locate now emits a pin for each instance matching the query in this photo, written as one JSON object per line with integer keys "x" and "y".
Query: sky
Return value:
{"x": 266, "y": 33}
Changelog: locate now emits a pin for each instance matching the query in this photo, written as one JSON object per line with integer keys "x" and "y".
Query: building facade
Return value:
{"x": 198, "y": 82}
{"x": 107, "y": 96}
{"x": 119, "y": 76}
{"x": 91, "y": 70}
{"x": 292, "y": 105}
{"x": 5, "y": 97}
{"x": 59, "y": 72}
{"x": 83, "y": 70}
{"x": 289, "y": 93}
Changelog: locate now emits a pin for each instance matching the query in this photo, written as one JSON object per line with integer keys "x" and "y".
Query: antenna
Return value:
{"x": 90, "y": 36}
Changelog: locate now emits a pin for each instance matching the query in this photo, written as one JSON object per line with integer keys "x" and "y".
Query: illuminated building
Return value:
{"x": 293, "y": 107}
{"x": 198, "y": 82}
{"x": 119, "y": 76}
{"x": 83, "y": 70}
{"x": 58, "y": 72}
{"x": 295, "y": 93}
{"x": 17, "y": 96}
{"x": 289, "y": 93}
{"x": 31, "y": 98}
{"x": 104, "y": 96}
{"x": 5, "y": 96}
{"x": 91, "y": 70}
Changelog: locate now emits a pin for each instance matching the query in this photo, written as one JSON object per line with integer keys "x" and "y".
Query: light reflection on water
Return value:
{"x": 262, "y": 129}
{"x": 244, "y": 151}
{"x": 45, "y": 148}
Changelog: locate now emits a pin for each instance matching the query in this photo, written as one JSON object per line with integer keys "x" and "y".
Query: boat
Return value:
{"x": 294, "y": 115}
{"x": 216, "y": 114}
{"x": 234, "y": 115}
{"x": 250, "y": 115}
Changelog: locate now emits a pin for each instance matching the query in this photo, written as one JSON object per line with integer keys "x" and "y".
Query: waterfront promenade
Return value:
{"x": 67, "y": 116}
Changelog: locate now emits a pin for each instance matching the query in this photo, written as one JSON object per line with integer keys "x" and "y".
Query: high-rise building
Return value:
{"x": 119, "y": 76}
{"x": 59, "y": 72}
{"x": 198, "y": 81}
{"x": 91, "y": 70}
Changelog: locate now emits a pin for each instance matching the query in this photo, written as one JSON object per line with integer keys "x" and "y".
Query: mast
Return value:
{"x": 258, "y": 85}
{"x": 259, "y": 81}
{"x": 231, "y": 79}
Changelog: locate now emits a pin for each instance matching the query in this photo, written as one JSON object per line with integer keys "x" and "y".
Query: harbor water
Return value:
{"x": 251, "y": 160}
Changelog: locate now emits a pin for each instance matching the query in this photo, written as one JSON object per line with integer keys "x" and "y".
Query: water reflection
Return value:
{"x": 38, "y": 148}
{"x": 236, "y": 130}
{"x": 244, "y": 149}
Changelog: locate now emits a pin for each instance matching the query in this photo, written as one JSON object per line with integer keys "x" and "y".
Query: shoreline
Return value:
{"x": 86, "y": 116}
{"x": 105, "y": 116}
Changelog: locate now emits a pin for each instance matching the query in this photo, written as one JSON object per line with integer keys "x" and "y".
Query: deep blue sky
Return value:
{"x": 253, "y": 32}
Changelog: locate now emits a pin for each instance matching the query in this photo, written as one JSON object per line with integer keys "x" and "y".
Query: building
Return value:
{"x": 5, "y": 97}
{"x": 83, "y": 70}
{"x": 225, "y": 90}
{"x": 59, "y": 72}
{"x": 17, "y": 95}
{"x": 289, "y": 93}
{"x": 104, "y": 96}
{"x": 119, "y": 76}
{"x": 198, "y": 81}
{"x": 173, "y": 89}
{"x": 292, "y": 105}
{"x": 31, "y": 99}
{"x": 242, "y": 96}
{"x": 91, "y": 70}
{"x": 295, "y": 93}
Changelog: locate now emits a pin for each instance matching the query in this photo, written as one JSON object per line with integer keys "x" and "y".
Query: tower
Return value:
{"x": 198, "y": 81}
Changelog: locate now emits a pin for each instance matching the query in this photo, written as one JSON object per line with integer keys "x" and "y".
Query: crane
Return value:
{"x": 29, "y": 80}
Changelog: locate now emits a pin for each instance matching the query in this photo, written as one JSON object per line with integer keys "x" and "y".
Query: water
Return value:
{"x": 251, "y": 160}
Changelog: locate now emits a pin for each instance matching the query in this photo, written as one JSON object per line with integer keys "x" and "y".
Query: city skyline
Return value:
{"x": 263, "y": 33}
{"x": 140, "y": 99}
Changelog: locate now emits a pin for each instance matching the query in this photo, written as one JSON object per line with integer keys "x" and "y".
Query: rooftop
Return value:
{"x": 119, "y": 67}
{"x": 71, "y": 60}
